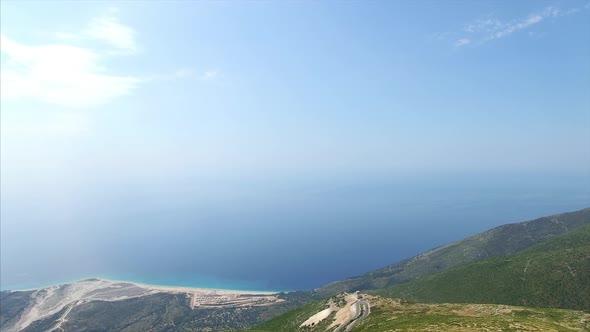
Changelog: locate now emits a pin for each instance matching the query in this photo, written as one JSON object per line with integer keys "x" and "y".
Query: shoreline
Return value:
{"x": 48, "y": 301}
{"x": 184, "y": 289}
{"x": 159, "y": 288}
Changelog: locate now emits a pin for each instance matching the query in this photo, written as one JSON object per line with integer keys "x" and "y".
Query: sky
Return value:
{"x": 113, "y": 102}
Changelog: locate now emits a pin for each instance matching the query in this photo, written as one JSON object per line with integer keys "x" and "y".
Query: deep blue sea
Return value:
{"x": 260, "y": 233}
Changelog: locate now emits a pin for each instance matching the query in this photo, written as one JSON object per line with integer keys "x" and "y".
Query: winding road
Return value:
{"x": 364, "y": 312}
{"x": 362, "y": 309}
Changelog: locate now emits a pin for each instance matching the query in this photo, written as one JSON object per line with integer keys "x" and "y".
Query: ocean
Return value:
{"x": 260, "y": 233}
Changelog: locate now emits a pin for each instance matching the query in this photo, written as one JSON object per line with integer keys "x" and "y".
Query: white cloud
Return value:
{"x": 483, "y": 25}
{"x": 66, "y": 73}
{"x": 484, "y": 30}
{"x": 108, "y": 30}
{"x": 462, "y": 42}
{"x": 510, "y": 28}
{"x": 72, "y": 72}
{"x": 179, "y": 73}
{"x": 183, "y": 72}
{"x": 59, "y": 74}
{"x": 210, "y": 74}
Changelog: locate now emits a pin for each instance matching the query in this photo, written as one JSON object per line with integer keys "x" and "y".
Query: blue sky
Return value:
{"x": 209, "y": 87}
{"x": 192, "y": 116}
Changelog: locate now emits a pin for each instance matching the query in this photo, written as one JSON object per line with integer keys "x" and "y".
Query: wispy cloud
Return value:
{"x": 484, "y": 30}
{"x": 210, "y": 74}
{"x": 109, "y": 30}
{"x": 183, "y": 72}
{"x": 503, "y": 30}
{"x": 65, "y": 74}
{"x": 485, "y": 25}
{"x": 59, "y": 74}
{"x": 462, "y": 42}
{"x": 106, "y": 29}
{"x": 72, "y": 69}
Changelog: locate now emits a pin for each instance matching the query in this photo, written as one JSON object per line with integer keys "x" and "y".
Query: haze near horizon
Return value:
{"x": 211, "y": 143}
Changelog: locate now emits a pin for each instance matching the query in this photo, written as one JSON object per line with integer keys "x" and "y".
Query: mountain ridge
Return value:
{"x": 501, "y": 240}
{"x": 554, "y": 273}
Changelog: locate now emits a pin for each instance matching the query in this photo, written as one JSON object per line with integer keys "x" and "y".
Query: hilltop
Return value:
{"x": 397, "y": 315}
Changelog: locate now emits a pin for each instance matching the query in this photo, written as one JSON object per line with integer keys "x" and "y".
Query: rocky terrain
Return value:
{"x": 55, "y": 308}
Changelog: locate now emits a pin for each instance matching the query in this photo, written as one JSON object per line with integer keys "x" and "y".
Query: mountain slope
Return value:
{"x": 12, "y": 306}
{"x": 503, "y": 240}
{"x": 395, "y": 315}
{"x": 554, "y": 273}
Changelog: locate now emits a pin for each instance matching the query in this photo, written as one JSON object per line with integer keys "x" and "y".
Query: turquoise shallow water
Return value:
{"x": 177, "y": 281}
{"x": 193, "y": 281}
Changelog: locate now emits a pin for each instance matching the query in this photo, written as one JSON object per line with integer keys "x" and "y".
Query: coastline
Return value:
{"x": 184, "y": 289}
{"x": 155, "y": 287}
{"x": 42, "y": 303}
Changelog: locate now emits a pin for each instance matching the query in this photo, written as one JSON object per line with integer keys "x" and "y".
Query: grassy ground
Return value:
{"x": 395, "y": 315}
{"x": 390, "y": 315}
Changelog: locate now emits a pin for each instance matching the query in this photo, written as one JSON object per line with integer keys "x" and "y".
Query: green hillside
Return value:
{"x": 500, "y": 241}
{"x": 394, "y": 315}
{"x": 555, "y": 273}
